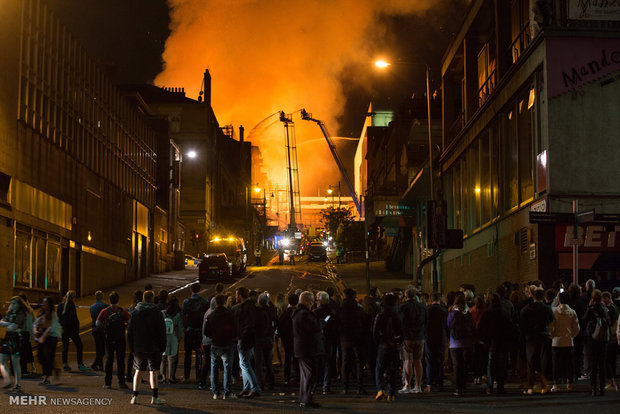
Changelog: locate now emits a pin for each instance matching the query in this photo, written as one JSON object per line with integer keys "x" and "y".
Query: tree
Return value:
{"x": 332, "y": 218}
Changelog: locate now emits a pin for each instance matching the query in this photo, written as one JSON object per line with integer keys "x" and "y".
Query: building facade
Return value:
{"x": 77, "y": 165}
{"x": 530, "y": 98}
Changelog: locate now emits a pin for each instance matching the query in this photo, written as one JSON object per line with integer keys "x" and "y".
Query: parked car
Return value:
{"x": 317, "y": 251}
{"x": 214, "y": 267}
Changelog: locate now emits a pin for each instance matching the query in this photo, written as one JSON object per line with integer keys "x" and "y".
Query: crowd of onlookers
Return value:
{"x": 401, "y": 341}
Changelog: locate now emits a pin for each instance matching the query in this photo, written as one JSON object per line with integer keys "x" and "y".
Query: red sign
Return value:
{"x": 590, "y": 238}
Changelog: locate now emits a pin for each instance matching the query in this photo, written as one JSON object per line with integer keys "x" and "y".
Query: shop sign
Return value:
{"x": 590, "y": 238}
{"x": 594, "y": 9}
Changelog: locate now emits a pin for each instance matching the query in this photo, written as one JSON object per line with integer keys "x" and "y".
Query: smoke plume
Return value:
{"x": 266, "y": 56}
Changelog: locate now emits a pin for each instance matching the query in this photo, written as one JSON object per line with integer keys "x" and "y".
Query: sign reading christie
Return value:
{"x": 575, "y": 62}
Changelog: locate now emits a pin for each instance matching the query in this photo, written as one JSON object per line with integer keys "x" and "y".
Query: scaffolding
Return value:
{"x": 292, "y": 171}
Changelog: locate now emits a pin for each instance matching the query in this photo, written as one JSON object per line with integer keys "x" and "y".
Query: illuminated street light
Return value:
{"x": 257, "y": 189}
{"x": 382, "y": 64}
{"x": 330, "y": 191}
{"x": 192, "y": 154}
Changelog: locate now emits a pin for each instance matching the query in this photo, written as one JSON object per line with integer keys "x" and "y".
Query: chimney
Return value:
{"x": 207, "y": 87}
{"x": 241, "y": 131}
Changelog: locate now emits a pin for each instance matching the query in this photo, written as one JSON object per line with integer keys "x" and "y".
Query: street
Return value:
{"x": 74, "y": 391}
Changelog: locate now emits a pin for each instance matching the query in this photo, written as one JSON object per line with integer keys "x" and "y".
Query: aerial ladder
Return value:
{"x": 332, "y": 147}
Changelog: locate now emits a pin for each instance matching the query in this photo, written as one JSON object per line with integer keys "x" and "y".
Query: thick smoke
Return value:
{"x": 266, "y": 56}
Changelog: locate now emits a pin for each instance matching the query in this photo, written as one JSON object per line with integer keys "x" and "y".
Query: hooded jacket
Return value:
{"x": 564, "y": 327}
{"x": 146, "y": 332}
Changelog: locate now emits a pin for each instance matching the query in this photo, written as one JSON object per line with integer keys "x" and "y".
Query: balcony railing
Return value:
{"x": 521, "y": 42}
{"x": 485, "y": 90}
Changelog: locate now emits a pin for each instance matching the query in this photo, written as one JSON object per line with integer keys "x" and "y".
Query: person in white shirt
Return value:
{"x": 563, "y": 329}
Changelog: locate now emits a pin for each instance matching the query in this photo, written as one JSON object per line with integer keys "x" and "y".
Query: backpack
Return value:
{"x": 169, "y": 324}
{"x": 114, "y": 329}
{"x": 386, "y": 330}
{"x": 462, "y": 326}
{"x": 194, "y": 313}
{"x": 600, "y": 328}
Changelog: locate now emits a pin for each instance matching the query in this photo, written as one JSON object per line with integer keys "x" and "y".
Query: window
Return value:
{"x": 509, "y": 151}
{"x": 23, "y": 271}
{"x": 484, "y": 189}
{"x": 39, "y": 256}
{"x": 520, "y": 24}
{"x": 526, "y": 180}
{"x": 458, "y": 216}
{"x": 473, "y": 191}
{"x": 494, "y": 141}
{"x": 53, "y": 266}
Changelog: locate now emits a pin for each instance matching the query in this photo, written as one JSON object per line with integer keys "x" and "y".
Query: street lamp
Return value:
{"x": 192, "y": 154}
{"x": 382, "y": 65}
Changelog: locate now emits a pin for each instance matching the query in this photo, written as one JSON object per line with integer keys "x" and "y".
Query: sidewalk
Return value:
{"x": 353, "y": 275}
{"x": 171, "y": 281}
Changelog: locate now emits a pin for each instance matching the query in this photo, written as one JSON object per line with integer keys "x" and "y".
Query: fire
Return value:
{"x": 276, "y": 55}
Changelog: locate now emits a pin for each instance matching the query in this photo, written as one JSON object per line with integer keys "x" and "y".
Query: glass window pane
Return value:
{"x": 485, "y": 178}
{"x": 465, "y": 201}
{"x": 40, "y": 262}
{"x": 473, "y": 162}
{"x": 458, "y": 221}
{"x": 494, "y": 138}
{"x": 22, "y": 260}
{"x": 526, "y": 181}
{"x": 53, "y": 266}
{"x": 509, "y": 160}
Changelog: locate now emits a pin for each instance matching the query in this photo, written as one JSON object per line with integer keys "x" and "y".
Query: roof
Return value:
{"x": 156, "y": 95}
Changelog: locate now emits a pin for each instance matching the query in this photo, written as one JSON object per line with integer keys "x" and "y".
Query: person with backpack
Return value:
{"x": 146, "y": 335}
{"x": 67, "y": 316}
{"x": 221, "y": 327}
{"x": 263, "y": 351}
{"x": 612, "y": 345}
{"x": 136, "y": 298}
{"x": 174, "y": 333}
{"x": 387, "y": 332}
{"x": 349, "y": 318}
{"x": 414, "y": 318}
{"x": 306, "y": 332}
{"x": 12, "y": 345}
{"x": 97, "y": 332}
{"x": 598, "y": 325}
{"x": 498, "y": 332}
{"x": 436, "y": 336}
{"x": 329, "y": 331}
{"x": 534, "y": 323}
{"x": 245, "y": 315}
{"x": 285, "y": 332}
{"x": 193, "y": 310}
{"x": 461, "y": 327}
{"x": 111, "y": 321}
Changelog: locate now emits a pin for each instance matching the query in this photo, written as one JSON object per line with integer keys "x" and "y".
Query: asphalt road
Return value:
{"x": 88, "y": 395}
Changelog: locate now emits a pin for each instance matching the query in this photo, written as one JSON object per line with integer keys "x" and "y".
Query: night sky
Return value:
{"x": 129, "y": 38}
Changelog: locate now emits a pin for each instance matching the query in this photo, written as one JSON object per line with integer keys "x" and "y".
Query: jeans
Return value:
{"x": 47, "y": 352}
{"x": 460, "y": 359}
{"x": 434, "y": 364}
{"x": 75, "y": 337}
{"x": 192, "y": 340}
{"x": 386, "y": 370}
{"x": 263, "y": 361}
{"x": 110, "y": 349}
{"x": 247, "y": 372}
{"x": 206, "y": 364}
{"x": 225, "y": 354}
{"x": 538, "y": 351}
{"x": 351, "y": 351}
{"x": 100, "y": 351}
{"x": 562, "y": 357}
{"x": 496, "y": 369}
{"x": 597, "y": 352}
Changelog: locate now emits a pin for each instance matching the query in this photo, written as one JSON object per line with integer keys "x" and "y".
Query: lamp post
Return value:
{"x": 382, "y": 64}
